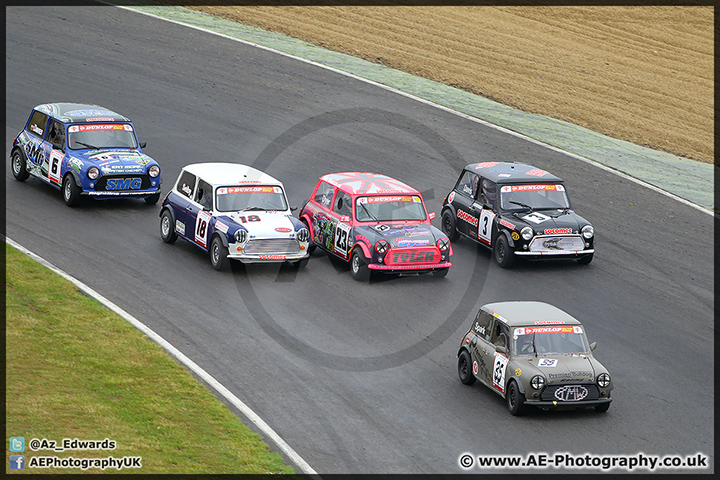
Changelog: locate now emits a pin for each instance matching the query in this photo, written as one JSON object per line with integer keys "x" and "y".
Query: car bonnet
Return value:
{"x": 401, "y": 234}
{"x": 270, "y": 224}
{"x": 115, "y": 161}
{"x": 565, "y": 368}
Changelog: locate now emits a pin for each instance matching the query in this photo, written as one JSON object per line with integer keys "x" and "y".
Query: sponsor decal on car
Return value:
{"x": 552, "y": 231}
{"x": 507, "y": 224}
{"x": 451, "y": 197}
{"x": 283, "y": 229}
{"x": 547, "y": 362}
{"x": 537, "y": 172}
{"x": 221, "y": 227}
{"x": 123, "y": 184}
{"x": 486, "y": 165}
{"x": 463, "y": 215}
{"x": 535, "y": 330}
{"x": 179, "y": 227}
{"x": 230, "y": 190}
{"x": 272, "y": 257}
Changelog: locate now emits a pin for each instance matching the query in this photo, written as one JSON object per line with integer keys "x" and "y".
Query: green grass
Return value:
{"x": 77, "y": 370}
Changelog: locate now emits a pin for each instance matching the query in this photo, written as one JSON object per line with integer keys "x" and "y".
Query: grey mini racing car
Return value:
{"x": 533, "y": 354}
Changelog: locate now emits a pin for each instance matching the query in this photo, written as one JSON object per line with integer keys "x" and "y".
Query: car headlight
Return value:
{"x": 154, "y": 171}
{"x": 443, "y": 244}
{"x": 303, "y": 235}
{"x": 241, "y": 235}
{"x": 537, "y": 382}
{"x": 603, "y": 380}
{"x": 381, "y": 246}
{"x": 527, "y": 233}
{"x": 588, "y": 231}
{"x": 93, "y": 173}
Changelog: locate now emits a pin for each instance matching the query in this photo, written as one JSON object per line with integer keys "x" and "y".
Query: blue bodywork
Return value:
{"x": 122, "y": 170}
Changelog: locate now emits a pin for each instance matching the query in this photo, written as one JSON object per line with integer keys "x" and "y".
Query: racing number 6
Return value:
{"x": 54, "y": 166}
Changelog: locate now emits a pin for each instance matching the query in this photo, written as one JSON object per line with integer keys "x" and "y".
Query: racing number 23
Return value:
{"x": 342, "y": 233}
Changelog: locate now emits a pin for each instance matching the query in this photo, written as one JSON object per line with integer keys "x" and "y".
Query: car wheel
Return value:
{"x": 311, "y": 245}
{"x": 465, "y": 368}
{"x": 586, "y": 259}
{"x": 603, "y": 407}
{"x": 503, "y": 254}
{"x": 440, "y": 272}
{"x": 218, "y": 254}
{"x": 358, "y": 266}
{"x": 70, "y": 191}
{"x": 448, "y": 225}
{"x": 152, "y": 199}
{"x": 515, "y": 399}
{"x": 300, "y": 263}
{"x": 19, "y": 166}
{"x": 167, "y": 227}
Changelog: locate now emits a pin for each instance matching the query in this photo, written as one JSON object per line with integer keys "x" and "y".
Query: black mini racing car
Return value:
{"x": 516, "y": 210}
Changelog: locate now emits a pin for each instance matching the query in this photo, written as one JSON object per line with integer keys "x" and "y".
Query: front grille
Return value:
{"x": 279, "y": 246}
{"x": 571, "y": 392}
{"x": 409, "y": 256}
{"x": 123, "y": 182}
{"x": 571, "y": 243}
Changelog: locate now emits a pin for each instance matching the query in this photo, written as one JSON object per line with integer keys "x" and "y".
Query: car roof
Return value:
{"x": 512, "y": 172}
{"x": 80, "y": 113}
{"x": 524, "y": 313}
{"x": 363, "y": 183}
{"x": 221, "y": 173}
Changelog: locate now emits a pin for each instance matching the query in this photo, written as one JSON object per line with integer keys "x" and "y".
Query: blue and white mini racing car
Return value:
{"x": 85, "y": 150}
{"x": 233, "y": 212}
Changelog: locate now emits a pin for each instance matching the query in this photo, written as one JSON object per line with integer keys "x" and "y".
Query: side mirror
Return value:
{"x": 431, "y": 215}
{"x": 143, "y": 144}
{"x": 293, "y": 208}
{"x": 500, "y": 349}
{"x": 593, "y": 345}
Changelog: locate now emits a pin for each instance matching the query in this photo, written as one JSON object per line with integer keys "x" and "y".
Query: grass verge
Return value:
{"x": 75, "y": 370}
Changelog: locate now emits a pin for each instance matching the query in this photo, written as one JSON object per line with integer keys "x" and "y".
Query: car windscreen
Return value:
{"x": 101, "y": 135}
{"x": 543, "y": 340}
{"x": 383, "y": 208}
{"x": 535, "y": 197}
{"x": 260, "y": 197}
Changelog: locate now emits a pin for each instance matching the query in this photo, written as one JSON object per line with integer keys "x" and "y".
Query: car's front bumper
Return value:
{"x": 407, "y": 268}
{"x": 579, "y": 403}
{"x": 102, "y": 195}
{"x": 556, "y": 253}
{"x": 267, "y": 257}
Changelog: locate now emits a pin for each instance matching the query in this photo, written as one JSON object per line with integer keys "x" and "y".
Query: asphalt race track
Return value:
{"x": 358, "y": 377}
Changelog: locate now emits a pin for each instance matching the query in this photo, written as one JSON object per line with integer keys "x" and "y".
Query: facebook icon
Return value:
{"x": 17, "y": 462}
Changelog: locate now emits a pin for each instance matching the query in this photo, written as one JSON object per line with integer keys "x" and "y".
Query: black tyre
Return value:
{"x": 515, "y": 399}
{"x": 448, "y": 225}
{"x": 70, "y": 191}
{"x": 465, "y": 368}
{"x": 218, "y": 254}
{"x": 19, "y": 166}
{"x": 152, "y": 199}
{"x": 440, "y": 272}
{"x": 167, "y": 227}
{"x": 503, "y": 253}
{"x": 300, "y": 263}
{"x": 311, "y": 245}
{"x": 586, "y": 259}
{"x": 602, "y": 408}
{"x": 358, "y": 265}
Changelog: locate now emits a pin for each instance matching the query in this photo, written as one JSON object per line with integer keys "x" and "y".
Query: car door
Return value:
{"x": 484, "y": 207}
{"x": 499, "y": 335}
{"x": 464, "y": 203}
{"x": 341, "y": 215}
{"x": 183, "y": 206}
{"x": 55, "y": 144}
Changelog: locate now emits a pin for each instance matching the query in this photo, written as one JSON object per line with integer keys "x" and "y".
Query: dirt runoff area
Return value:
{"x": 638, "y": 73}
